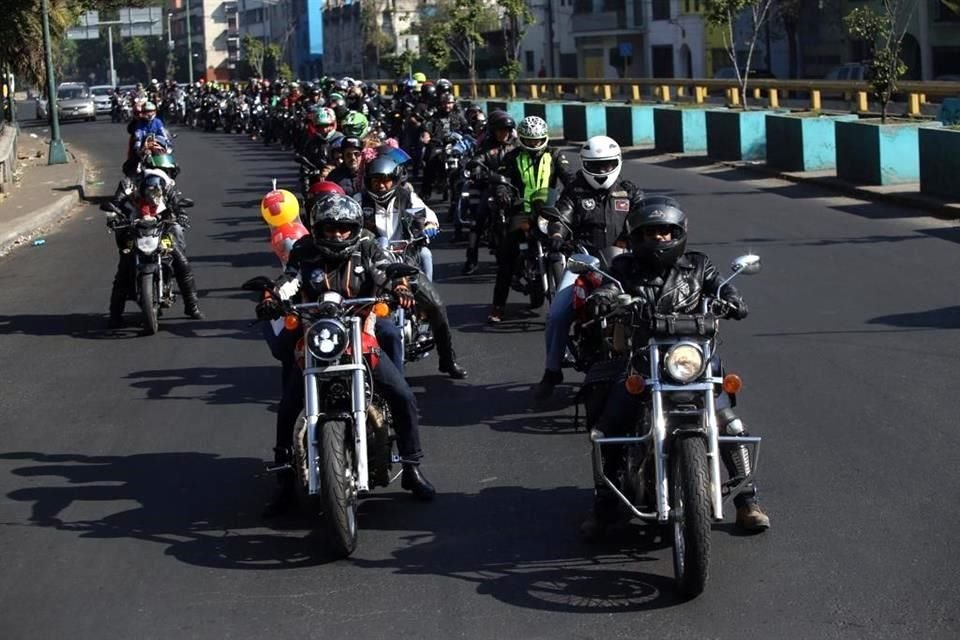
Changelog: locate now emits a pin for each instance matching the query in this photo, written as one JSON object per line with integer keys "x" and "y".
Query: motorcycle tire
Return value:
{"x": 149, "y": 305}
{"x": 338, "y": 488}
{"x": 537, "y": 294}
{"x": 690, "y": 510}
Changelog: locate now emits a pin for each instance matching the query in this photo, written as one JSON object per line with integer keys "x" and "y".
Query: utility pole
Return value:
{"x": 189, "y": 43}
{"x": 56, "y": 154}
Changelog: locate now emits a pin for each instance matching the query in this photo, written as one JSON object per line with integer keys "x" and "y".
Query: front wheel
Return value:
{"x": 690, "y": 513}
{"x": 338, "y": 488}
{"x": 149, "y": 304}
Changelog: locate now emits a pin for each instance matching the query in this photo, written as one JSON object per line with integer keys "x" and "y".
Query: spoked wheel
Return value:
{"x": 339, "y": 488}
{"x": 690, "y": 513}
{"x": 149, "y": 305}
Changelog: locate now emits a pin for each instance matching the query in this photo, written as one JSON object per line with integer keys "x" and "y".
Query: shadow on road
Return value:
{"x": 218, "y": 385}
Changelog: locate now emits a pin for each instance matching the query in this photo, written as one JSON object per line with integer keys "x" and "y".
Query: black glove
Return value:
{"x": 183, "y": 220}
{"x": 601, "y": 302}
{"x": 269, "y": 309}
{"x": 555, "y": 243}
{"x": 736, "y": 309}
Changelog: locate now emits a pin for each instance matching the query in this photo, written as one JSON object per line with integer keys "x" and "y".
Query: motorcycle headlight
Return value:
{"x": 327, "y": 339}
{"x": 684, "y": 362}
{"x": 148, "y": 244}
{"x": 543, "y": 224}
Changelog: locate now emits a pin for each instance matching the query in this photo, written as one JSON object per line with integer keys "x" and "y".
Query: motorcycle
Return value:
{"x": 417, "y": 335}
{"x": 670, "y": 471}
{"x": 343, "y": 444}
{"x": 151, "y": 242}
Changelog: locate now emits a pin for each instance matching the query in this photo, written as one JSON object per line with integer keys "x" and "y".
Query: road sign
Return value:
{"x": 626, "y": 49}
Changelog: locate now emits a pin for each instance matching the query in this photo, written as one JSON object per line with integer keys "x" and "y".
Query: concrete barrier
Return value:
{"x": 802, "y": 142}
{"x": 736, "y": 135}
{"x": 679, "y": 130}
{"x": 878, "y": 154}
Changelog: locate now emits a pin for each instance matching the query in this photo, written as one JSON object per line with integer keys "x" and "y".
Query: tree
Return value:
{"x": 517, "y": 17}
{"x": 401, "y": 64}
{"x": 137, "y": 52}
{"x": 454, "y": 31}
{"x": 374, "y": 38}
{"x": 884, "y": 33}
{"x": 253, "y": 54}
{"x": 724, "y": 14}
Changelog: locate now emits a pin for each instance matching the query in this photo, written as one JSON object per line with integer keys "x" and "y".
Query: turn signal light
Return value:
{"x": 635, "y": 384}
{"x": 381, "y": 309}
{"x": 732, "y": 383}
{"x": 290, "y": 323}
{"x": 525, "y": 226}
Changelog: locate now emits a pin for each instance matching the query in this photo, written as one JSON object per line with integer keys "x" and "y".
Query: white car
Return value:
{"x": 101, "y": 97}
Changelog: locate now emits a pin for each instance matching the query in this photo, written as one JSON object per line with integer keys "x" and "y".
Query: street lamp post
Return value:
{"x": 189, "y": 43}
{"x": 56, "y": 153}
{"x": 113, "y": 70}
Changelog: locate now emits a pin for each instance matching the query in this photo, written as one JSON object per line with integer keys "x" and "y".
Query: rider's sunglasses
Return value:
{"x": 657, "y": 231}
{"x": 337, "y": 227}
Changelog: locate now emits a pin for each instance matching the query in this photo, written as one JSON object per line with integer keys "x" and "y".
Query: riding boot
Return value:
{"x": 736, "y": 458}
{"x": 429, "y": 301}
{"x": 118, "y": 300}
{"x": 473, "y": 260}
{"x": 188, "y": 288}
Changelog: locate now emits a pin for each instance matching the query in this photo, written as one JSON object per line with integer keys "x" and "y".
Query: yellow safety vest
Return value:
{"x": 536, "y": 180}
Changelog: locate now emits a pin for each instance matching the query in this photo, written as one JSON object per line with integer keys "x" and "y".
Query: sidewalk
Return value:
{"x": 901, "y": 195}
{"x": 40, "y": 195}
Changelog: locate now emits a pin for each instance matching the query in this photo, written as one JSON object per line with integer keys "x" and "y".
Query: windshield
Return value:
{"x": 71, "y": 93}
{"x": 100, "y": 91}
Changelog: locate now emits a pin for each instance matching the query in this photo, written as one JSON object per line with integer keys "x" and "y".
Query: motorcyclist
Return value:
{"x": 384, "y": 198}
{"x": 349, "y": 173}
{"x": 659, "y": 268}
{"x": 497, "y": 143}
{"x": 146, "y": 127}
{"x": 595, "y": 207}
{"x": 157, "y": 197}
{"x": 446, "y": 120}
{"x": 351, "y": 263}
{"x": 533, "y": 170}
{"x": 318, "y": 148}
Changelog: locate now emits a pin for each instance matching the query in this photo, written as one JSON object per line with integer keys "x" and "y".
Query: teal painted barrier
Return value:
{"x": 516, "y": 111}
{"x": 574, "y": 122}
{"x": 630, "y": 125}
{"x": 939, "y": 151}
{"x": 736, "y": 135}
{"x": 596, "y": 115}
{"x": 802, "y": 142}
{"x": 871, "y": 153}
{"x": 679, "y": 130}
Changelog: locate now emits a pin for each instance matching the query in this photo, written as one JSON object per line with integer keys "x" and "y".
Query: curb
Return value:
{"x": 19, "y": 233}
{"x": 936, "y": 207}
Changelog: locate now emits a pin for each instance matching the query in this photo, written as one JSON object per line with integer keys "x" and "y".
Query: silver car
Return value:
{"x": 101, "y": 97}
{"x": 75, "y": 102}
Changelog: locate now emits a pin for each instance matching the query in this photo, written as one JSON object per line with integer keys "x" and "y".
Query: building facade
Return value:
{"x": 214, "y": 38}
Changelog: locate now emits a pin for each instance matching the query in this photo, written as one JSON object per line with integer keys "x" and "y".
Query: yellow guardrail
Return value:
{"x": 697, "y": 90}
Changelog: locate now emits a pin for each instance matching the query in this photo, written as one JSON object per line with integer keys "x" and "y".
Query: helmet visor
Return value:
{"x": 600, "y": 167}
{"x": 533, "y": 143}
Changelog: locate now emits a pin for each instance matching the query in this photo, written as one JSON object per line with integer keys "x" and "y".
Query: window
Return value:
{"x": 661, "y": 9}
{"x": 614, "y": 5}
{"x": 528, "y": 55}
{"x": 583, "y": 6}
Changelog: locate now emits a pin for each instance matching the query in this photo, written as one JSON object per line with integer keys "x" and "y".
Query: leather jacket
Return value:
{"x": 679, "y": 289}
{"x": 358, "y": 274}
{"x": 597, "y": 216}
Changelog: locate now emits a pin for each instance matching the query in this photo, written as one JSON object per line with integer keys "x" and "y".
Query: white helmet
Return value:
{"x": 601, "y": 160}
{"x": 533, "y": 134}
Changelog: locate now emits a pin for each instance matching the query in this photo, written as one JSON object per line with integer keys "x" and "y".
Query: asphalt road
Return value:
{"x": 128, "y": 471}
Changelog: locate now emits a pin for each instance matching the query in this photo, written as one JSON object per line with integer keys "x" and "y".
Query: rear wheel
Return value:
{"x": 339, "y": 489}
{"x": 148, "y": 304}
{"x": 690, "y": 514}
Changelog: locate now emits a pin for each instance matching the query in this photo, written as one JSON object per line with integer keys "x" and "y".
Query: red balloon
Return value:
{"x": 283, "y": 238}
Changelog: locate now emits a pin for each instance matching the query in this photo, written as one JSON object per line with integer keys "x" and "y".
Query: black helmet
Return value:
{"x": 428, "y": 91}
{"x": 500, "y": 120}
{"x": 444, "y": 85}
{"x": 382, "y": 166}
{"x": 651, "y": 251}
{"x": 338, "y": 210}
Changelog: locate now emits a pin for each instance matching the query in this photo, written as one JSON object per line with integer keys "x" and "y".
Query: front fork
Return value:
{"x": 358, "y": 409}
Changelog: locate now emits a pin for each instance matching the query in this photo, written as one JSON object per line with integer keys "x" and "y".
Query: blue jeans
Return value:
{"x": 559, "y": 319}
{"x": 426, "y": 262}
{"x": 391, "y": 341}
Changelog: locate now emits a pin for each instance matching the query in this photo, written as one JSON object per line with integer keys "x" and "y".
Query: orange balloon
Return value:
{"x": 283, "y": 238}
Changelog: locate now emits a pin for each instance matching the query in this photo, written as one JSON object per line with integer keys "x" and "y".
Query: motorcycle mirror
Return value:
{"x": 747, "y": 265}
{"x": 109, "y": 207}
{"x": 186, "y": 203}
{"x": 582, "y": 263}
{"x": 400, "y": 270}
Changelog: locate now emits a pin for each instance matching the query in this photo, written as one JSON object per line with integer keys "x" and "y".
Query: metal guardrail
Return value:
{"x": 8, "y": 155}
{"x": 698, "y": 90}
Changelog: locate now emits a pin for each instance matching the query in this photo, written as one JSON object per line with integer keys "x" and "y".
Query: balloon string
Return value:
{"x": 274, "y": 184}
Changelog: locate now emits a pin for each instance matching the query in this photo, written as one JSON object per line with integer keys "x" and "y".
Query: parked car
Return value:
{"x": 101, "y": 97}
{"x": 852, "y": 71}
